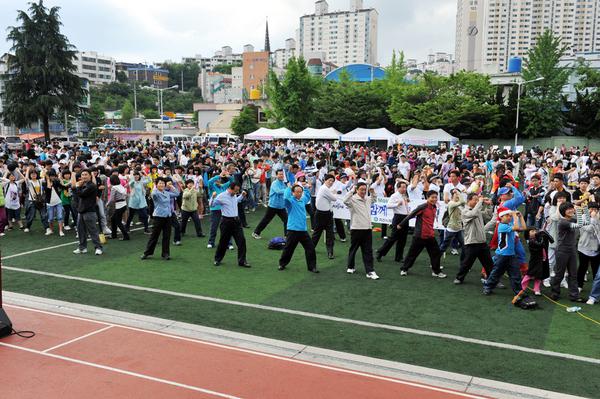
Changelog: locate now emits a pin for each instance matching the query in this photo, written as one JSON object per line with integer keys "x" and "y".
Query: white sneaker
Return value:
{"x": 537, "y": 293}
{"x": 231, "y": 247}
{"x": 25, "y": 230}
{"x": 403, "y": 273}
{"x": 2, "y": 234}
{"x": 177, "y": 243}
{"x": 373, "y": 276}
{"x": 454, "y": 251}
{"x": 67, "y": 228}
{"x": 209, "y": 246}
{"x": 564, "y": 284}
{"x": 591, "y": 301}
{"x": 580, "y": 289}
{"x": 48, "y": 231}
{"x": 342, "y": 239}
{"x": 107, "y": 231}
{"x": 80, "y": 251}
{"x": 439, "y": 275}
{"x": 546, "y": 283}
{"x": 256, "y": 236}
{"x": 60, "y": 233}
{"x": 350, "y": 271}
{"x": 98, "y": 251}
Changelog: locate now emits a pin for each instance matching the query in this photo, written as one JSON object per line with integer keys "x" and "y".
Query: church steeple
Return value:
{"x": 267, "y": 41}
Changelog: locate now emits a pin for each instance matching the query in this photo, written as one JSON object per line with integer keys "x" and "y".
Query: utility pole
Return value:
{"x": 135, "y": 94}
{"x": 181, "y": 80}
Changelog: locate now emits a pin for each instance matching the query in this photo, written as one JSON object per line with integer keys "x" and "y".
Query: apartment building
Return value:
{"x": 98, "y": 69}
{"x": 490, "y": 32}
{"x": 346, "y": 37}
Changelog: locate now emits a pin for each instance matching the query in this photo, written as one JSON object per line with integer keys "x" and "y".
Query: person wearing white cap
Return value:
{"x": 506, "y": 259}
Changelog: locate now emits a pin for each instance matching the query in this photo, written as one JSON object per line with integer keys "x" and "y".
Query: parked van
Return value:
{"x": 175, "y": 138}
{"x": 13, "y": 143}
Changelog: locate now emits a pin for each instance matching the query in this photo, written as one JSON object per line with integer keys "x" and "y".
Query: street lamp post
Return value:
{"x": 159, "y": 93}
{"x": 519, "y": 84}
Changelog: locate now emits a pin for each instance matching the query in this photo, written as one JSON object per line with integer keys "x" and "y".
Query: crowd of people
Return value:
{"x": 496, "y": 203}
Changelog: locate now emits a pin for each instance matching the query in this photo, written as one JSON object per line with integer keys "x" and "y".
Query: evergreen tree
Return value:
{"x": 246, "y": 122}
{"x": 41, "y": 78}
{"x": 291, "y": 99}
{"x": 127, "y": 113}
{"x": 542, "y": 105}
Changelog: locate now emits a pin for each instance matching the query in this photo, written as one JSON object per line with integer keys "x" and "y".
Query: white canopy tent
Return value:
{"x": 318, "y": 134}
{"x": 426, "y": 137}
{"x": 362, "y": 135}
{"x": 264, "y": 134}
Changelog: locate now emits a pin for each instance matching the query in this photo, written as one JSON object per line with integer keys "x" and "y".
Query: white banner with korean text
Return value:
{"x": 381, "y": 214}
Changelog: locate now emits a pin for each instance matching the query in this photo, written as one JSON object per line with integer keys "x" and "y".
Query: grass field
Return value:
{"x": 417, "y": 301}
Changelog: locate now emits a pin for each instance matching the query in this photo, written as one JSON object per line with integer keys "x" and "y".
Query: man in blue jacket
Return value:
{"x": 276, "y": 205}
{"x": 296, "y": 199}
{"x": 217, "y": 184}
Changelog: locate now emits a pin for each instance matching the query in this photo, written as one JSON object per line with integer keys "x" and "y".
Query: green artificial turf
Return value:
{"x": 417, "y": 301}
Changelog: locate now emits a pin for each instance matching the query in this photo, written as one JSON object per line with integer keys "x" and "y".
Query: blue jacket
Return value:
{"x": 162, "y": 202}
{"x": 213, "y": 187}
{"x": 276, "y": 194}
{"x": 296, "y": 210}
{"x": 516, "y": 201}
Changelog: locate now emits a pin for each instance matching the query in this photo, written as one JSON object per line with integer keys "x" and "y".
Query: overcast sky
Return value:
{"x": 153, "y": 30}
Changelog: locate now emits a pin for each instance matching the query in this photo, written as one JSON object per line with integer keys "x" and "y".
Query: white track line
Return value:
{"x": 77, "y": 339}
{"x": 263, "y": 354}
{"x": 121, "y": 371}
{"x": 50, "y": 248}
{"x": 316, "y": 316}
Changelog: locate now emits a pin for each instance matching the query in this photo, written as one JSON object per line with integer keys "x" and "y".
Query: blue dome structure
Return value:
{"x": 357, "y": 73}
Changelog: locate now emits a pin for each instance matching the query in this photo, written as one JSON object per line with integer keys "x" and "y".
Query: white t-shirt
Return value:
{"x": 448, "y": 187}
{"x": 404, "y": 169}
{"x": 11, "y": 196}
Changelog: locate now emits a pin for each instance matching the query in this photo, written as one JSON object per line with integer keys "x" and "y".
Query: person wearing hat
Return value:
{"x": 511, "y": 222}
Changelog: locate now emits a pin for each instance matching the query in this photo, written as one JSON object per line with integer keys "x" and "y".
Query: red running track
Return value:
{"x": 79, "y": 358}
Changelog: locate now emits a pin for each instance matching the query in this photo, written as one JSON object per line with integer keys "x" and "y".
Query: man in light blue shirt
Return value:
{"x": 162, "y": 195}
{"x": 296, "y": 199}
{"x": 276, "y": 205}
{"x": 230, "y": 223}
{"x": 217, "y": 184}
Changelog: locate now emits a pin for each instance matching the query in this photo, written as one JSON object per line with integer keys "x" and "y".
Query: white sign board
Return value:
{"x": 380, "y": 213}
{"x": 518, "y": 149}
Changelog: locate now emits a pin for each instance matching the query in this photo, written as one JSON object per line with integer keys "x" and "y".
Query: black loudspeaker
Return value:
{"x": 5, "y": 324}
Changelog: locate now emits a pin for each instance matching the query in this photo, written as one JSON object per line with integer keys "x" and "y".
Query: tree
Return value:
{"x": 346, "y": 105}
{"x": 127, "y": 113}
{"x": 225, "y": 68}
{"x": 246, "y": 122}
{"x": 41, "y": 76}
{"x": 463, "y": 104}
{"x": 584, "y": 113}
{"x": 122, "y": 77}
{"x": 291, "y": 99}
{"x": 543, "y": 102}
{"x": 94, "y": 117}
{"x": 190, "y": 74}
{"x": 151, "y": 114}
